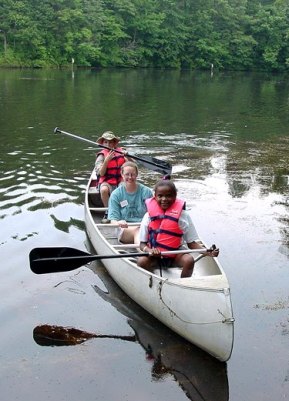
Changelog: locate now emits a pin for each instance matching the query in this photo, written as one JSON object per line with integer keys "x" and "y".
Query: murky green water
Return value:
{"x": 227, "y": 139}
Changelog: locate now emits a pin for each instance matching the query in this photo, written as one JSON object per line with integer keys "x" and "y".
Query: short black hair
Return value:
{"x": 166, "y": 183}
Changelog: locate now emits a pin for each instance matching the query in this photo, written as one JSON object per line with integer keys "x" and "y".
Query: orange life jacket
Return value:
{"x": 113, "y": 174}
{"x": 164, "y": 230}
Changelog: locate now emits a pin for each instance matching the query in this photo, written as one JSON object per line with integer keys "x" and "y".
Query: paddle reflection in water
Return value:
{"x": 201, "y": 376}
{"x": 58, "y": 335}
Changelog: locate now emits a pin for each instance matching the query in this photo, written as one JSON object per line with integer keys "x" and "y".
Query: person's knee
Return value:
{"x": 185, "y": 260}
{"x": 127, "y": 236}
{"x": 187, "y": 271}
{"x": 140, "y": 261}
{"x": 143, "y": 262}
{"x": 104, "y": 189}
{"x": 187, "y": 266}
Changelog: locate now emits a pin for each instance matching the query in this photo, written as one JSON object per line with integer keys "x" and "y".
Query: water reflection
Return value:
{"x": 200, "y": 376}
{"x": 241, "y": 170}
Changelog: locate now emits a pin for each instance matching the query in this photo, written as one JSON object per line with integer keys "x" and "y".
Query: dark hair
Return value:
{"x": 166, "y": 183}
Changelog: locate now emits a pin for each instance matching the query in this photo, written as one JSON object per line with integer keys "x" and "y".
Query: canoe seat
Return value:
{"x": 101, "y": 225}
{"x": 98, "y": 209}
{"x": 125, "y": 252}
{"x": 124, "y": 246}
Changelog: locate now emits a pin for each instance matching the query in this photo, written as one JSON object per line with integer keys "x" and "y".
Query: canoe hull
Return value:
{"x": 198, "y": 308}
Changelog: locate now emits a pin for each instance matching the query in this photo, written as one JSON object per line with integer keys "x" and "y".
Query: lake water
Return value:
{"x": 227, "y": 137}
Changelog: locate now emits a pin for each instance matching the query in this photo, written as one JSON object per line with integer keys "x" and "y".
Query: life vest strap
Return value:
{"x": 161, "y": 230}
{"x": 163, "y": 246}
{"x": 163, "y": 216}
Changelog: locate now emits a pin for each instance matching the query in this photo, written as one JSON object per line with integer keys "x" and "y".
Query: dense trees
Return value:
{"x": 231, "y": 34}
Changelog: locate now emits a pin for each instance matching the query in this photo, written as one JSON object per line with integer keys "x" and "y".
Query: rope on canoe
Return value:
{"x": 173, "y": 313}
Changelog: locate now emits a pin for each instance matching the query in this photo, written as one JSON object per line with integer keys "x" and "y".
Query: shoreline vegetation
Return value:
{"x": 241, "y": 35}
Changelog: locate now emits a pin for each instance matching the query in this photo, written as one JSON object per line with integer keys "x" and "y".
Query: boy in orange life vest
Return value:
{"x": 167, "y": 227}
{"x": 107, "y": 166}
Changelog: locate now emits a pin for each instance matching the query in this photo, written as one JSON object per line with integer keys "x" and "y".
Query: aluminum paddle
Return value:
{"x": 151, "y": 163}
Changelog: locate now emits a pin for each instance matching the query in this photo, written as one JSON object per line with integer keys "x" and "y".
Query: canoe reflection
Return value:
{"x": 201, "y": 376}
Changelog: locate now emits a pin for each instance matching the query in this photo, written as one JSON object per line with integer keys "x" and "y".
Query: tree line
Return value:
{"x": 191, "y": 34}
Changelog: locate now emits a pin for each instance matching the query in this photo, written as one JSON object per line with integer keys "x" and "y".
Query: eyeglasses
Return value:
{"x": 130, "y": 175}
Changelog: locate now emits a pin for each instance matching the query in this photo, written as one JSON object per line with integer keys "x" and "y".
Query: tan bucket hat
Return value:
{"x": 108, "y": 136}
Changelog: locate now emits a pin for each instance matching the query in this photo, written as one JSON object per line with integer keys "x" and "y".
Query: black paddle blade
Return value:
{"x": 154, "y": 164}
{"x": 54, "y": 260}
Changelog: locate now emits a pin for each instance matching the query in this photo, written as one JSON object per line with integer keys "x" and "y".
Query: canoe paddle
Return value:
{"x": 152, "y": 163}
{"x": 63, "y": 259}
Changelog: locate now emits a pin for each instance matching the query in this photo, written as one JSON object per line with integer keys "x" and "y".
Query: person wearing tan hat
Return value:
{"x": 108, "y": 166}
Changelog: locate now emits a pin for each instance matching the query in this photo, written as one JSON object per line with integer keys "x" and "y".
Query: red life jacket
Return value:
{"x": 164, "y": 230}
{"x": 113, "y": 174}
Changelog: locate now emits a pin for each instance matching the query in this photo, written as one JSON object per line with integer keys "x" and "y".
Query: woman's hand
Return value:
{"x": 122, "y": 224}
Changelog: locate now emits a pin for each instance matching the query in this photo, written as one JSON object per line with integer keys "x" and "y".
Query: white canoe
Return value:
{"x": 197, "y": 308}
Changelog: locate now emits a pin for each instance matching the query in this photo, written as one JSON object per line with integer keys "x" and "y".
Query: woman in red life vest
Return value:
{"x": 168, "y": 227}
{"x": 107, "y": 165}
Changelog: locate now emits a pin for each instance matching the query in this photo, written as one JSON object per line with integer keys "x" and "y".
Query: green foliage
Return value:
{"x": 230, "y": 34}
